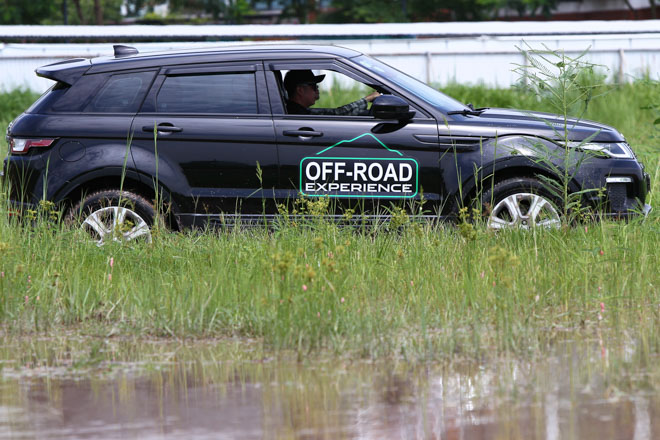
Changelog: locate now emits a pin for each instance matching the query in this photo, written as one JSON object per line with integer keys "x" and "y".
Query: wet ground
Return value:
{"x": 83, "y": 389}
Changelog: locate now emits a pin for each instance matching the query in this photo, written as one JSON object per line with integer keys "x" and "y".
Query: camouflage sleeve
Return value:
{"x": 356, "y": 108}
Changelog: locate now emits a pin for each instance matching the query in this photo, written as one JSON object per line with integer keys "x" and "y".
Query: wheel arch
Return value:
{"x": 504, "y": 170}
{"x": 111, "y": 178}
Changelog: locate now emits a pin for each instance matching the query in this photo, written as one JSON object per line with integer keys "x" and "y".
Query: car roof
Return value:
{"x": 69, "y": 71}
{"x": 220, "y": 54}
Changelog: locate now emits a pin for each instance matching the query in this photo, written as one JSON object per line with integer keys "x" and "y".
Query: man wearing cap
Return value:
{"x": 303, "y": 90}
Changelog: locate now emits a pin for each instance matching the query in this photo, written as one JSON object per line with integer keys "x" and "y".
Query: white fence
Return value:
{"x": 433, "y": 52}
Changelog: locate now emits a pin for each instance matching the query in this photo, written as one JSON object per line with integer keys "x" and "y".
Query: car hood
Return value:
{"x": 502, "y": 122}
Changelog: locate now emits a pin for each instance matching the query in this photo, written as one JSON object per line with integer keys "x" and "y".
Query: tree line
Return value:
{"x": 101, "y": 12}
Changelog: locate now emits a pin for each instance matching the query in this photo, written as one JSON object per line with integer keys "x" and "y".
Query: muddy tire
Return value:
{"x": 109, "y": 215}
{"x": 521, "y": 203}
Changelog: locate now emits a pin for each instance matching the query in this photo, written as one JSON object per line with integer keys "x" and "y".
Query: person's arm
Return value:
{"x": 355, "y": 108}
{"x": 351, "y": 109}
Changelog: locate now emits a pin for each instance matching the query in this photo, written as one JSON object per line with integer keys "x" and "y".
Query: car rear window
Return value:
{"x": 48, "y": 98}
{"x": 75, "y": 97}
{"x": 122, "y": 93}
{"x": 215, "y": 93}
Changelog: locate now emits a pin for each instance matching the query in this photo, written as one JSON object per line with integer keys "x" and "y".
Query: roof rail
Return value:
{"x": 123, "y": 51}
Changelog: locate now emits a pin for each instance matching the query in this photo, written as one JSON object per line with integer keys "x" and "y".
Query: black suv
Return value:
{"x": 209, "y": 129}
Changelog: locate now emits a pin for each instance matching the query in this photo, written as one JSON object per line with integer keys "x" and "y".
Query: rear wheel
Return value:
{"x": 521, "y": 203}
{"x": 111, "y": 215}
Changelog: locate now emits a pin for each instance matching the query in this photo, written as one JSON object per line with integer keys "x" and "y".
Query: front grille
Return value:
{"x": 617, "y": 195}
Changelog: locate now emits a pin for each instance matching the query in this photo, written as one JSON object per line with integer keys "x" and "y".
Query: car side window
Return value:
{"x": 339, "y": 94}
{"x": 209, "y": 93}
{"x": 122, "y": 93}
{"x": 337, "y": 89}
{"x": 75, "y": 98}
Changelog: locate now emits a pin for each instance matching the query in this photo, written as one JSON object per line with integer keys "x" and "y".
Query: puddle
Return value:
{"x": 59, "y": 389}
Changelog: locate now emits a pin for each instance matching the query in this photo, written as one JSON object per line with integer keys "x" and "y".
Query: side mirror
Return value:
{"x": 391, "y": 107}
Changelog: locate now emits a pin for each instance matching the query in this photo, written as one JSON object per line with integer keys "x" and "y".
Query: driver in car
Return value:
{"x": 302, "y": 86}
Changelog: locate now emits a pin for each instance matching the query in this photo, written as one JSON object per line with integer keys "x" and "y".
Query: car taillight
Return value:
{"x": 21, "y": 146}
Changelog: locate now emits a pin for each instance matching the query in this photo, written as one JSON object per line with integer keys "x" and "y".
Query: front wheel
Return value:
{"x": 521, "y": 203}
{"x": 111, "y": 215}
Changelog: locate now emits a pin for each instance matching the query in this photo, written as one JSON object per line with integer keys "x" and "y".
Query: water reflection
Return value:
{"x": 124, "y": 389}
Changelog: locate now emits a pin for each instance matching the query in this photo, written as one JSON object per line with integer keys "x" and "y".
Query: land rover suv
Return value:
{"x": 204, "y": 137}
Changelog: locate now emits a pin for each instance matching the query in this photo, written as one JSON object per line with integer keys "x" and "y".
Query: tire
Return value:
{"x": 523, "y": 203}
{"x": 101, "y": 215}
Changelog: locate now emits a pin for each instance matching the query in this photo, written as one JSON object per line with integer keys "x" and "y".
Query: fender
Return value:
{"x": 80, "y": 181}
{"x": 512, "y": 167}
{"x": 508, "y": 157}
{"x": 115, "y": 174}
{"x": 169, "y": 175}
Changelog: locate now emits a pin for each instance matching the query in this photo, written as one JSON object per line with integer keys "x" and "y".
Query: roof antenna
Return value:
{"x": 124, "y": 51}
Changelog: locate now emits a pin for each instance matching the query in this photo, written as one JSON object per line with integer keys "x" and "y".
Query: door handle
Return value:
{"x": 162, "y": 128}
{"x": 302, "y": 133}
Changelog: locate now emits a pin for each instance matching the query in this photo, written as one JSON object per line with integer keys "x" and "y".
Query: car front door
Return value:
{"x": 359, "y": 162}
{"x": 211, "y": 130}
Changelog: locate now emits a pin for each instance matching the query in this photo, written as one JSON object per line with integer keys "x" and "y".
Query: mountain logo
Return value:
{"x": 332, "y": 176}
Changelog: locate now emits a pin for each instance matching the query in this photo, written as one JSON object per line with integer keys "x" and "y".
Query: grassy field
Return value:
{"x": 420, "y": 291}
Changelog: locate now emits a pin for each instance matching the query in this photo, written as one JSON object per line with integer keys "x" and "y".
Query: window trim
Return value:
{"x": 191, "y": 71}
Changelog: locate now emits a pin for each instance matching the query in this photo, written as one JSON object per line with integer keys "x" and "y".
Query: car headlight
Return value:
{"x": 620, "y": 150}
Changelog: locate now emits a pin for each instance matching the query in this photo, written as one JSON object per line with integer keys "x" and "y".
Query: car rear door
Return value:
{"x": 214, "y": 139}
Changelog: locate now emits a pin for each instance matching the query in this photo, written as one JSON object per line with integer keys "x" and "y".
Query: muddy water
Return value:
{"x": 64, "y": 389}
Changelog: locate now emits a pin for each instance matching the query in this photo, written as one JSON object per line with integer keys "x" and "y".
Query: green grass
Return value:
{"x": 421, "y": 292}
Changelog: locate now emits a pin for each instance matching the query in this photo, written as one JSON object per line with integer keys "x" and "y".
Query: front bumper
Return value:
{"x": 614, "y": 188}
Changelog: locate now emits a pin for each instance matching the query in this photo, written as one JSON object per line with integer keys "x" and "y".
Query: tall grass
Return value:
{"x": 420, "y": 291}
{"x": 424, "y": 291}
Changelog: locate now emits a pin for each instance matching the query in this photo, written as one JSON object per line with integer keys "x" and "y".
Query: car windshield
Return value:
{"x": 425, "y": 92}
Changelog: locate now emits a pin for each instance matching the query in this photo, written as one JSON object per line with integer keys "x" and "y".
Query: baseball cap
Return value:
{"x": 295, "y": 77}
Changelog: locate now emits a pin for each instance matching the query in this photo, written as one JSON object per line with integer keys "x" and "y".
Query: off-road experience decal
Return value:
{"x": 393, "y": 177}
